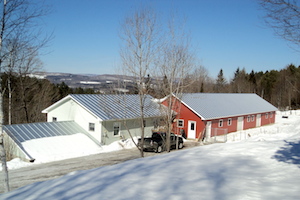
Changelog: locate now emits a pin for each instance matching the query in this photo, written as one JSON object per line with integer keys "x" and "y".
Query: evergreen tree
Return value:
{"x": 220, "y": 82}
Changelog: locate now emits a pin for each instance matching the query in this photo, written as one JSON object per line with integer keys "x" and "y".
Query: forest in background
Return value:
{"x": 279, "y": 87}
{"x": 29, "y": 96}
{"x": 25, "y": 97}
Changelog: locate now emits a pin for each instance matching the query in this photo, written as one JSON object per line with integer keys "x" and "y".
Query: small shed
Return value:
{"x": 20, "y": 134}
{"x": 220, "y": 113}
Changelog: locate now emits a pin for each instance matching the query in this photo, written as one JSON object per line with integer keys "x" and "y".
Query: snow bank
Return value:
{"x": 60, "y": 147}
{"x": 63, "y": 147}
{"x": 265, "y": 168}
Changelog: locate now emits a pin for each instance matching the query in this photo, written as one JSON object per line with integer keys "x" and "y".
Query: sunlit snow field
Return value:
{"x": 260, "y": 163}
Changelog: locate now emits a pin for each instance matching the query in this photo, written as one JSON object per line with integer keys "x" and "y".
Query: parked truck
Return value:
{"x": 157, "y": 142}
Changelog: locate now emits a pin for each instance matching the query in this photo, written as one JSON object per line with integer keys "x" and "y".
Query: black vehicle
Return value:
{"x": 157, "y": 142}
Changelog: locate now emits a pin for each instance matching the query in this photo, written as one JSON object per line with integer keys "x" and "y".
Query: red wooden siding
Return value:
{"x": 249, "y": 121}
{"x": 230, "y": 128}
{"x": 268, "y": 118}
{"x": 186, "y": 115}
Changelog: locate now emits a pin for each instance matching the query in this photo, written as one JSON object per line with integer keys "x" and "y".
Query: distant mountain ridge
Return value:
{"x": 95, "y": 81}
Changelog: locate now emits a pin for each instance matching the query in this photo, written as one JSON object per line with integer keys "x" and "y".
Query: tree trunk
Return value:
{"x": 9, "y": 99}
{"x": 2, "y": 150}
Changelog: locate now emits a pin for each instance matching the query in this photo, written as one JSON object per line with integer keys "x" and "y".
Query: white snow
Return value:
{"x": 261, "y": 163}
{"x": 45, "y": 150}
{"x": 60, "y": 147}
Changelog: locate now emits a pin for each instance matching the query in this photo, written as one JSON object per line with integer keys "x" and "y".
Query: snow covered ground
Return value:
{"x": 50, "y": 149}
{"x": 261, "y": 163}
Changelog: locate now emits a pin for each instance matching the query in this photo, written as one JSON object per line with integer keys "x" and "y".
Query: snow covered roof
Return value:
{"x": 109, "y": 107}
{"x": 222, "y": 105}
{"x": 21, "y": 133}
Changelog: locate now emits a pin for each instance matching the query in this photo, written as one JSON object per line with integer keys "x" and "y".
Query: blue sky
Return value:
{"x": 225, "y": 34}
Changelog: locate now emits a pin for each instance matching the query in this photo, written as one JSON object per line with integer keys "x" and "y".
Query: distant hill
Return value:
{"x": 101, "y": 82}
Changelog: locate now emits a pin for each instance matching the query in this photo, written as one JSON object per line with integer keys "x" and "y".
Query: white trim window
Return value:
{"x": 221, "y": 123}
{"x": 116, "y": 128}
{"x": 229, "y": 121}
{"x": 271, "y": 114}
{"x": 267, "y": 115}
{"x": 180, "y": 123}
{"x": 91, "y": 126}
{"x": 252, "y": 118}
{"x": 248, "y": 118}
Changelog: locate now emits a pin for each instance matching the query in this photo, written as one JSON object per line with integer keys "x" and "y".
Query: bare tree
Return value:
{"x": 21, "y": 61}
{"x": 18, "y": 20}
{"x": 139, "y": 34}
{"x": 284, "y": 17}
{"x": 240, "y": 82}
{"x": 198, "y": 80}
{"x": 177, "y": 62}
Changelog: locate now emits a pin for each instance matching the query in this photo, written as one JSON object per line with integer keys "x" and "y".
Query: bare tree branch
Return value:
{"x": 283, "y": 16}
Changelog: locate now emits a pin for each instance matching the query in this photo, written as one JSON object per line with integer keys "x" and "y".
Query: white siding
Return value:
{"x": 132, "y": 124}
{"x": 72, "y": 111}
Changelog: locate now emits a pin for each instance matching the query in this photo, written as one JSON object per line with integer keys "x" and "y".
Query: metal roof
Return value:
{"x": 109, "y": 107}
{"x": 23, "y": 132}
{"x": 221, "y": 105}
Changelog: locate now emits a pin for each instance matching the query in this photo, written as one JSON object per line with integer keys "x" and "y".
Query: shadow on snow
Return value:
{"x": 289, "y": 153}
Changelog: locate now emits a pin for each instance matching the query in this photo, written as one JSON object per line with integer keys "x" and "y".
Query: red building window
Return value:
{"x": 221, "y": 123}
{"x": 248, "y": 118}
{"x": 229, "y": 121}
{"x": 267, "y": 115}
{"x": 180, "y": 123}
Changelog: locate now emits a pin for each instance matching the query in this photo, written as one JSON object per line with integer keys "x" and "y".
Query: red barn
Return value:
{"x": 220, "y": 113}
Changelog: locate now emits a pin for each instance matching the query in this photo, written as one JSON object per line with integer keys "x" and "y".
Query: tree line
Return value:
{"x": 279, "y": 87}
{"x": 25, "y": 97}
{"x": 28, "y": 96}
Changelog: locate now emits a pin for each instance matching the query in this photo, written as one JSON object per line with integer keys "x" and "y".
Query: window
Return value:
{"x": 267, "y": 115}
{"x": 91, "y": 126}
{"x": 54, "y": 119}
{"x": 221, "y": 123}
{"x": 248, "y": 118}
{"x": 252, "y": 118}
{"x": 271, "y": 115}
{"x": 192, "y": 126}
{"x": 180, "y": 123}
{"x": 229, "y": 121}
{"x": 116, "y": 128}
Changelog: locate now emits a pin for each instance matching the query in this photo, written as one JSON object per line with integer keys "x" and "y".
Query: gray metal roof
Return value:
{"x": 221, "y": 105}
{"x": 23, "y": 132}
{"x": 109, "y": 107}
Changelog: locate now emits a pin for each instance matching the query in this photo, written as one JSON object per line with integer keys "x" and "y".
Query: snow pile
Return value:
{"x": 63, "y": 147}
{"x": 265, "y": 166}
{"x": 119, "y": 145}
{"x": 60, "y": 147}
{"x": 16, "y": 163}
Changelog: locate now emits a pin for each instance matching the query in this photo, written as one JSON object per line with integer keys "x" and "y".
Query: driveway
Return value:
{"x": 42, "y": 172}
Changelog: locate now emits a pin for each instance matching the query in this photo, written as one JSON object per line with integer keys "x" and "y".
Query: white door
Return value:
{"x": 240, "y": 124}
{"x": 258, "y": 120}
{"x": 192, "y": 129}
{"x": 208, "y": 129}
